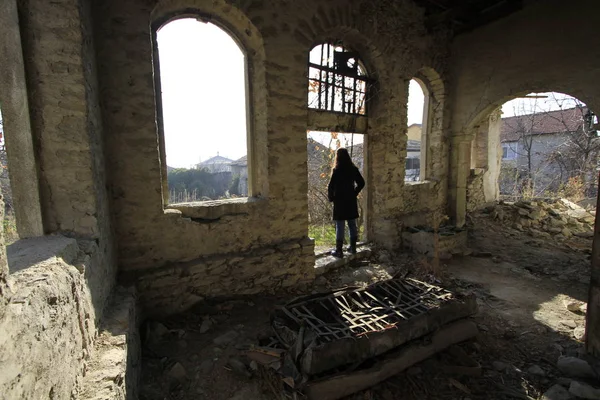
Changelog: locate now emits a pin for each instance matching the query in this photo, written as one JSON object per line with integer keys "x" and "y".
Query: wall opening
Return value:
{"x": 321, "y": 149}
{"x": 549, "y": 147}
{"x": 10, "y": 220}
{"x": 416, "y": 145}
{"x": 337, "y": 80}
{"x": 202, "y": 112}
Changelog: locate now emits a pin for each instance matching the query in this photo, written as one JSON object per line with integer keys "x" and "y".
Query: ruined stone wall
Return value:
{"x": 516, "y": 55}
{"x": 58, "y": 50}
{"x": 525, "y": 52}
{"x": 49, "y": 322}
{"x": 277, "y": 37}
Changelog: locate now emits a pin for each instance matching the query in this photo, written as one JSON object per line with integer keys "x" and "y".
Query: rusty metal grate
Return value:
{"x": 354, "y": 313}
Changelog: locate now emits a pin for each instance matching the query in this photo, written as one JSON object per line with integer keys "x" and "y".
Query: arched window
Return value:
{"x": 202, "y": 112}
{"x": 416, "y": 147}
{"x": 337, "y": 80}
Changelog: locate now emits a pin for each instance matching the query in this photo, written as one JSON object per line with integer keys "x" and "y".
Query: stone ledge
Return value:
{"x": 25, "y": 253}
{"x": 215, "y": 209}
{"x": 425, "y": 184}
{"x": 326, "y": 263}
{"x": 114, "y": 368}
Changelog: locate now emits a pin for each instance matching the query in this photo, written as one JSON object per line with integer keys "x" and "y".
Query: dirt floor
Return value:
{"x": 522, "y": 285}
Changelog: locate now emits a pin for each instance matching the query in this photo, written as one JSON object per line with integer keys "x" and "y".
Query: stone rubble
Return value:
{"x": 560, "y": 219}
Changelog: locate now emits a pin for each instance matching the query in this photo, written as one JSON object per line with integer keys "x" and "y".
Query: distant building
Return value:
{"x": 414, "y": 132}
{"x": 535, "y": 143}
{"x": 239, "y": 168}
{"x": 216, "y": 164}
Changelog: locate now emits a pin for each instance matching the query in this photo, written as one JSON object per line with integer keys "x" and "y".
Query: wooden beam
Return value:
{"x": 342, "y": 385}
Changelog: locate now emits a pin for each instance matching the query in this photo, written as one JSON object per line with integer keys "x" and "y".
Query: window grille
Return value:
{"x": 337, "y": 81}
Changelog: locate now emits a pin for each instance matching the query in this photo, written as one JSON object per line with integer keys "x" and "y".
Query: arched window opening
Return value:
{"x": 337, "y": 80}
{"x": 548, "y": 147}
{"x": 10, "y": 221}
{"x": 416, "y": 146}
{"x": 202, "y": 112}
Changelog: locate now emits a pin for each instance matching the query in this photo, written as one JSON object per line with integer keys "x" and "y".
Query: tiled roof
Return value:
{"x": 569, "y": 120}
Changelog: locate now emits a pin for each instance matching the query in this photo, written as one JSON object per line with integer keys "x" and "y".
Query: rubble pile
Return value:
{"x": 559, "y": 219}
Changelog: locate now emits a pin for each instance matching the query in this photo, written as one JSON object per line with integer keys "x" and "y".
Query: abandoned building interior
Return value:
{"x": 101, "y": 250}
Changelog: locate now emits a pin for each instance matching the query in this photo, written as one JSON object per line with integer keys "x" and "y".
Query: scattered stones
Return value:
{"x": 321, "y": 281}
{"x": 536, "y": 370}
{"x": 225, "y": 338}
{"x": 564, "y": 381}
{"x": 206, "y": 366}
{"x": 584, "y": 391}
{"x": 206, "y": 325}
{"x": 177, "y": 372}
{"x": 569, "y": 323}
{"x": 579, "y": 333}
{"x": 238, "y": 367}
{"x": 573, "y": 305}
{"x": 557, "y": 392}
{"x": 575, "y": 367}
{"x": 499, "y": 366}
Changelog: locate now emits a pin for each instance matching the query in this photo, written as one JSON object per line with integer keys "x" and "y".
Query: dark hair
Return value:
{"x": 342, "y": 159}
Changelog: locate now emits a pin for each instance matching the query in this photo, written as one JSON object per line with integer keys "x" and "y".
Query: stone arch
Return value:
{"x": 432, "y": 143}
{"x": 248, "y": 38}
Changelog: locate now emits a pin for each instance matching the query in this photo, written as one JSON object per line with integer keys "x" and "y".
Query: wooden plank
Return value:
{"x": 339, "y": 386}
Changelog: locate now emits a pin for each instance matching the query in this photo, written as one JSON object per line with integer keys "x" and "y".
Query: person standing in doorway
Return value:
{"x": 344, "y": 186}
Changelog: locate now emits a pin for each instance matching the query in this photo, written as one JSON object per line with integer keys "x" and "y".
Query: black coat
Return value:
{"x": 344, "y": 185}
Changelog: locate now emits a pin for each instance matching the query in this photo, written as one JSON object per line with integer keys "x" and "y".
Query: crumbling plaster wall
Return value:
{"x": 277, "y": 36}
{"x": 545, "y": 47}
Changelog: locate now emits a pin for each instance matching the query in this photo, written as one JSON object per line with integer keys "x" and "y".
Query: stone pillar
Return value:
{"x": 460, "y": 167}
{"x": 65, "y": 118}
{"x": 491, "y": 188}
{"x": 593, "y": 309}
{"x": 17, "y": 126}
{"x": 4, "y": 288}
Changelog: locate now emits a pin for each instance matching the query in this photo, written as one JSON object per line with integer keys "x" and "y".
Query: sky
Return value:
{"x": 203, "y": 93}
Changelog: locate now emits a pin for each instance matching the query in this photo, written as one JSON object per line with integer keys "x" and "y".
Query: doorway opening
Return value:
{"x": 321, "y": 149}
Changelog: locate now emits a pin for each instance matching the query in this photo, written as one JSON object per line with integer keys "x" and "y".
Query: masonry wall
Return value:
{"x": 66, "y": 124}
{"x": 277, "y": 37}
{"x": 53, "y": 294}
{"x": 516, "y": 55}
{"x": 522, "y": 53}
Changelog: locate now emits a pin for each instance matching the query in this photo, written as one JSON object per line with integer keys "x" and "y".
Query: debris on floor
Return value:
{"x": 345, "y": 341}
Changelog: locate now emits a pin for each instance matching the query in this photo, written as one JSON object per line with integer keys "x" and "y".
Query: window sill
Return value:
{"x": 426, "y": 184}
{"x": 214, "y": 210}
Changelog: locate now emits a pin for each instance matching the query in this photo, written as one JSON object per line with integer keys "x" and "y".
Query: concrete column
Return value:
{"x": 593, "y": 309}
{"x": 460, "y": 164}
{"x": 17, "y": 126}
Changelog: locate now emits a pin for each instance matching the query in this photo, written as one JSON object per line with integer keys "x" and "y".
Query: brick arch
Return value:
{"x": 249, "y": 39}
